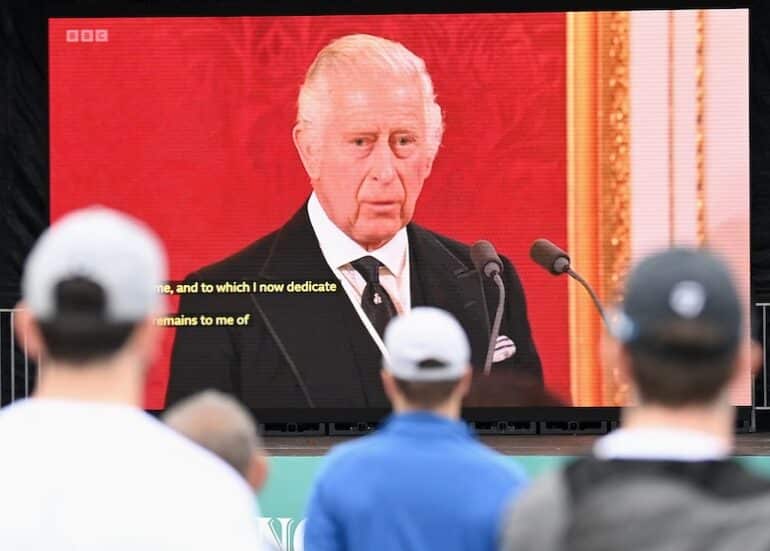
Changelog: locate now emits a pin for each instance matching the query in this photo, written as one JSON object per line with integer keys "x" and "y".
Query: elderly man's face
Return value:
{"x": 372, "y": 156}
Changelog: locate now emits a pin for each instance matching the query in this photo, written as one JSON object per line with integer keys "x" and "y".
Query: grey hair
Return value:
{"x": 364, "y": 50}
{"x": 220, "y": 424}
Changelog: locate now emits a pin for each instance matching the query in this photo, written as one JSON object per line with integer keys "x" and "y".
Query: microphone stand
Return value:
{"x": 292, "y": 366}
{"x": 577, "y": 277}
{"x": 496, "y": 324}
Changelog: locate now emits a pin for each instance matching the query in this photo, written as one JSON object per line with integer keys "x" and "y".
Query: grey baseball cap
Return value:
{"x": 680, "y": 300}
{"x": 120, "y": 254}
{"x": 426, "y": 344}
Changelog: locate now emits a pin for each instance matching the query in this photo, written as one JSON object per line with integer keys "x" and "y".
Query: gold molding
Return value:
{"x": 700, "y": 127}
{"x": 671, "y": 130}
{"x": 582, "y": 202}
{"x": 615, "y": 215}
{"x": 614, "y": 152}
{"x": 598, "y": 196}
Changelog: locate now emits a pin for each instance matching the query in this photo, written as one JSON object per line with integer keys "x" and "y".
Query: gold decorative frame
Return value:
{"x": 672, "y": 236}
{"x": 700, "y": 127}
{"x": 598, "y": 194}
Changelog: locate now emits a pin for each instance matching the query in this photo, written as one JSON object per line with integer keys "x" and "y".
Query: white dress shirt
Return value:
{"x": 339, "y": 250}
{"x": 661, "y": 443}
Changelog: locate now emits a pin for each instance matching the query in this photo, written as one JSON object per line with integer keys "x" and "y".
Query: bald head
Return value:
{"x": 220, "y": 424}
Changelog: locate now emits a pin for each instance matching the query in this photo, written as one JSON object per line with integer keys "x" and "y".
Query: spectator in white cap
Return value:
{"x": 664, "y": 480}
{"x": 422, "y": 481}
{"x": 82, "y": 466}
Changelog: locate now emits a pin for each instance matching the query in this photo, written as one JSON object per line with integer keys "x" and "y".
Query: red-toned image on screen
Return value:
{"x": 191, "y": 124}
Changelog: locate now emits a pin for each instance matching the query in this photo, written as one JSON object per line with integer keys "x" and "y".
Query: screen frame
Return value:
{"x": 122, "y": 8}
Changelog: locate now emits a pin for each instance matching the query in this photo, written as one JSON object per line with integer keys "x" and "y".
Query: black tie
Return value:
{"x": 375, "y": 300}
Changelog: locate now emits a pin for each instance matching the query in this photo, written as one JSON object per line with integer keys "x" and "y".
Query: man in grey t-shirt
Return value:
{"x": 664, "y": 480}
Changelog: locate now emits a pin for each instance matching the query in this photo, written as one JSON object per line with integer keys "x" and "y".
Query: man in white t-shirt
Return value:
{"x": 82, "y": 466}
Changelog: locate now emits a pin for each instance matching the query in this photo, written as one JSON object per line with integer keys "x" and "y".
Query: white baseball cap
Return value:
{"x": 426, "y": 344}
{"x": 117, "y": 252}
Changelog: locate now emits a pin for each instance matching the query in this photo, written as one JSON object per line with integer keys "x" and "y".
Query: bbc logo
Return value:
{"x": 87, "y": 35}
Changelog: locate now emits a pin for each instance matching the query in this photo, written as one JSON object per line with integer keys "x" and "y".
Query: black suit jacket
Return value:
{"x": 335, "y": 357}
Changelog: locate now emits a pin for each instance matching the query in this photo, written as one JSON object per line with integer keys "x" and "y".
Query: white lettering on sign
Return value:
{"x": 87, "y": 35}
{"x": 283, "y": 533}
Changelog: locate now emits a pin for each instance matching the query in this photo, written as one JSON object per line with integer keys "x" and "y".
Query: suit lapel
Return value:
{"x": 440, "y": 279}
{"x": 320, "y": 331}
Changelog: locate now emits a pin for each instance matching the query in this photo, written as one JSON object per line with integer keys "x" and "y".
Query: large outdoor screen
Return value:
{"x": 611, "y": 134}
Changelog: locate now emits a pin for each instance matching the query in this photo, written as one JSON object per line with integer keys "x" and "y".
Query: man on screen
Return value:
{"x": 367, "y": 132}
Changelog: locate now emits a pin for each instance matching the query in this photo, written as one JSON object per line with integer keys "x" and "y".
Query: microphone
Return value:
{"x": 487, "y": 262}
{"x": 485, "y": 258}
{"x": 557, "y": 262}
{"x": 549, "y": 256}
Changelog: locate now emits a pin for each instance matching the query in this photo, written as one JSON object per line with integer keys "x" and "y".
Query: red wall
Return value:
{"x": 186, "y": 123}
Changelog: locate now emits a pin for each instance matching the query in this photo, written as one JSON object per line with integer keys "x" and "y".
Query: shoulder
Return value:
{"x": 720, "y": 479}
{"x": 537, "y": 517}
{"x": 331, "y": 489}
{"x": 176, "y": 462}
{"x": 356, "y": 459}
{"x": 458, "y": 249}
{"x": 10, "y": 414}
{"x": 180, "y": 466}
{"x": 433, "y": 239}
{"x": 198, "y": 497}
{"x": 15, "y": 422}
{"x": 497, "y": 465}
{"x": 184, "y": 455}
{"x": 350, "y": 455}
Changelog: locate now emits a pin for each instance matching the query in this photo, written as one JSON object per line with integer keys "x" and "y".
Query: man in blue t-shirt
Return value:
{"x": 422, "y": 481}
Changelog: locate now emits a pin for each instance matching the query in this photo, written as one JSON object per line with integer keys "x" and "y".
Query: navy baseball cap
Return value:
{"x": 680, "y": 301}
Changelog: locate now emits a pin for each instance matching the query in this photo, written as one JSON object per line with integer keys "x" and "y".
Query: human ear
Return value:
{"x": 27, "y": 332}
{"x": 429, "y": 166}
{"x": 257, "y": 471}
{"x": 616, "y": 356}
{"x": 749, "y": 354}
{"x": 307, "y": 146}
{"x": 756, "y": 356}
{"x": 389, "y": 386}
{"x": 146, "y": 340}
{"x": 464, "y": 387}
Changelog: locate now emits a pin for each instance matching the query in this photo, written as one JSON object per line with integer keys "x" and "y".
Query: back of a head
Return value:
{"x": 90, "y": 280}
{"x": 681, "y": 323}
{"x": 220, "y": 424}
{"x": 428, "y": 354}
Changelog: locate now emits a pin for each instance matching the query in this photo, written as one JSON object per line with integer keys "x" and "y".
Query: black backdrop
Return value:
{"x": 24, "y": 112}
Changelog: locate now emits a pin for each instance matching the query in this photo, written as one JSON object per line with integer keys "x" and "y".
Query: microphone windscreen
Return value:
{"x": 483, "y": 254}
{"x": 546, "y": 254}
